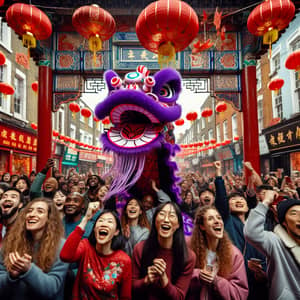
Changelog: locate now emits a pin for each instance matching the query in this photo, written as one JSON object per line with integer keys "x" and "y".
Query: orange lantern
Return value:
{"x": 35, "y": 86}
{"x": 95, "y": 24}
{"x": 29, "y": 22}
{"x": 269, "y": 17}
{"x": 221, "y": 107}
{"x": 275, "y": 85}
{"x": 74, "y": 108}
{"x": 293, "y": 61}
{"x": 34, "y": 126}
{"x": 6, "y": 88}
{"x": 207, "y": 112}
{"x": 2, "y": 58}
{"x": 179, "y": 122}
{"x": 166, "y": 27}
{"x": 191, "y": 116}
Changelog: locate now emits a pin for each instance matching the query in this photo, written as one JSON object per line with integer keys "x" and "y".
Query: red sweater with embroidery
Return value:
{"x": 99, "y": 276}
{"x": 173, "y": 290}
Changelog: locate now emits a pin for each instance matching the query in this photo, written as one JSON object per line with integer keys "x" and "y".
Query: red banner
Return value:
{"x": 17, "y": 139}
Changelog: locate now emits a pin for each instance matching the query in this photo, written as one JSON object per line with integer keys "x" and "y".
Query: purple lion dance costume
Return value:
{"x": 141, "y": 109}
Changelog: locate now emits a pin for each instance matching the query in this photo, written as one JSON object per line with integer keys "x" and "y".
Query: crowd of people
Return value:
{"x": 61, "y": 238}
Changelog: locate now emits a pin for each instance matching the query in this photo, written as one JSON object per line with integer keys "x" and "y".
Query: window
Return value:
{"x": 218, "y": 129}
{"x": 5, "y": 35}
{"x": 276, "y": 62}
{"x": 260, "y": 114}
{"x": 203, "y": 122}
{"x": 295, "y": 45}
{"x": 225, "y": 130}
{"x": 258, "y": 77}
{"x": 278, "y": 105}
{"x": 72, "y": 131}
{"x": 234, "y": 125}
{"x": 5, "y": 76}
{"x": 20, "y": 95}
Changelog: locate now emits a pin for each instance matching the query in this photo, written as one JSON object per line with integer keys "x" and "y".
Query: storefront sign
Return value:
{"x": 88, "y": 156}
{"x": 70, "y": 157}
{"x": 284, "y": 137}
{"x": 263, "y": 146}
{"x": 14, "y": 138}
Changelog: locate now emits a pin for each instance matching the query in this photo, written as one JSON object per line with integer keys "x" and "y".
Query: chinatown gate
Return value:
{"x": 226, "y": 71}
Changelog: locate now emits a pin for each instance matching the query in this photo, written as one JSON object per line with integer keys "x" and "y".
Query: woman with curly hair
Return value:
{"x": 135, "y": 224}
{"x": 104, "y": 269}
{"x": 30, "y": 267}
{"x": 163, "y": 265}
{"x": 220, "y": 270}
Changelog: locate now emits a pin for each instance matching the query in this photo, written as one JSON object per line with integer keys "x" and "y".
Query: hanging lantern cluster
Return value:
{"x": 95, "y": 24}
{"x": 192, "y": 116}
{"x": 74, "y": 108}
{"x": 275, "y": 85}
{"x": 29, "y": 22}
{"x": 166, "y": 27}
{"x": 179, "y": 122}
{"x": 270, "y": 17}
{"x": 206, "y": 113}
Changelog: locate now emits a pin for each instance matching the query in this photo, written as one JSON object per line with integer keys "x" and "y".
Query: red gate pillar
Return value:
{"x": 250, "y": 119}
{"x": 44, "y": 115}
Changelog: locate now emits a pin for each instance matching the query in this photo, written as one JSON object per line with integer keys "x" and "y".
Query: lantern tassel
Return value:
{"x": 73, "y": 115}
{"x": 95, "y": 44}
{"x": 166, "y": 55}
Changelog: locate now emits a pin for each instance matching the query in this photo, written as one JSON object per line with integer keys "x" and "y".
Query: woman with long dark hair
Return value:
{"x": 104, "y": 269}
{"x": 30, "y": 267}
{"x": 220, "y": 270}
{"x": 135, "y": 224}
{"x": 163, "y": 265}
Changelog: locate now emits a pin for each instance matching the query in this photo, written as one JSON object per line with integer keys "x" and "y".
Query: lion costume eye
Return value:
{"x": 167, "y": 91}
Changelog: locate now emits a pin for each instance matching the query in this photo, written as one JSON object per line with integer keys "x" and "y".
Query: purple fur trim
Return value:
{"x": 108, "y": 146}
{"x": 167, "y": 76}
{"x": 163, "y": 114}
{"x": 126, "y": 171}
{"x": 108, "y": 75}
{"x": 172, "y": 166}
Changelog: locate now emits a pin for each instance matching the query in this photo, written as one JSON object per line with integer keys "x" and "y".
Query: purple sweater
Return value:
{"x": 233, "y": 287}
{"x": 173, "y": 290}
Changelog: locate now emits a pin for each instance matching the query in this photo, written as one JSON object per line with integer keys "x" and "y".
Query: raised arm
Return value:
{"x": 221, "y": 201}
{"x": 73, "y": 248}
{"x": 254, "y": 228}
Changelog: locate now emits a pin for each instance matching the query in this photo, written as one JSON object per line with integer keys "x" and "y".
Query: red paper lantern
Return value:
{"x": 35, "y": 86}
{"x": 207, "y": 112}
{"x": 86, "y": 113}
{"x": 221, "y": 107}
{"x": 74, "y": 108}
{"x": 191, "y": 116}
{"x": 2, "y": 58}
{"x": 276, "y": 84}
{"x": 29, "y": 22}
{"x": 95, "y": 119}
{"x": 106, "y": 121}
{"x": 213, "y": 141}
{"x": 166, "y": 27}
{"x": 34, "y": 126}
{"x": 236, "y": 138}
{"x": 293, "y": 61}
{"x": 179, "y": 122}
{"x": 55, "y": 133}
{"x": 6, "y": 88}
{"x": 269, "y": 17}
{"x": 95, "y": 24}
{"x": 206, "y": 143}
